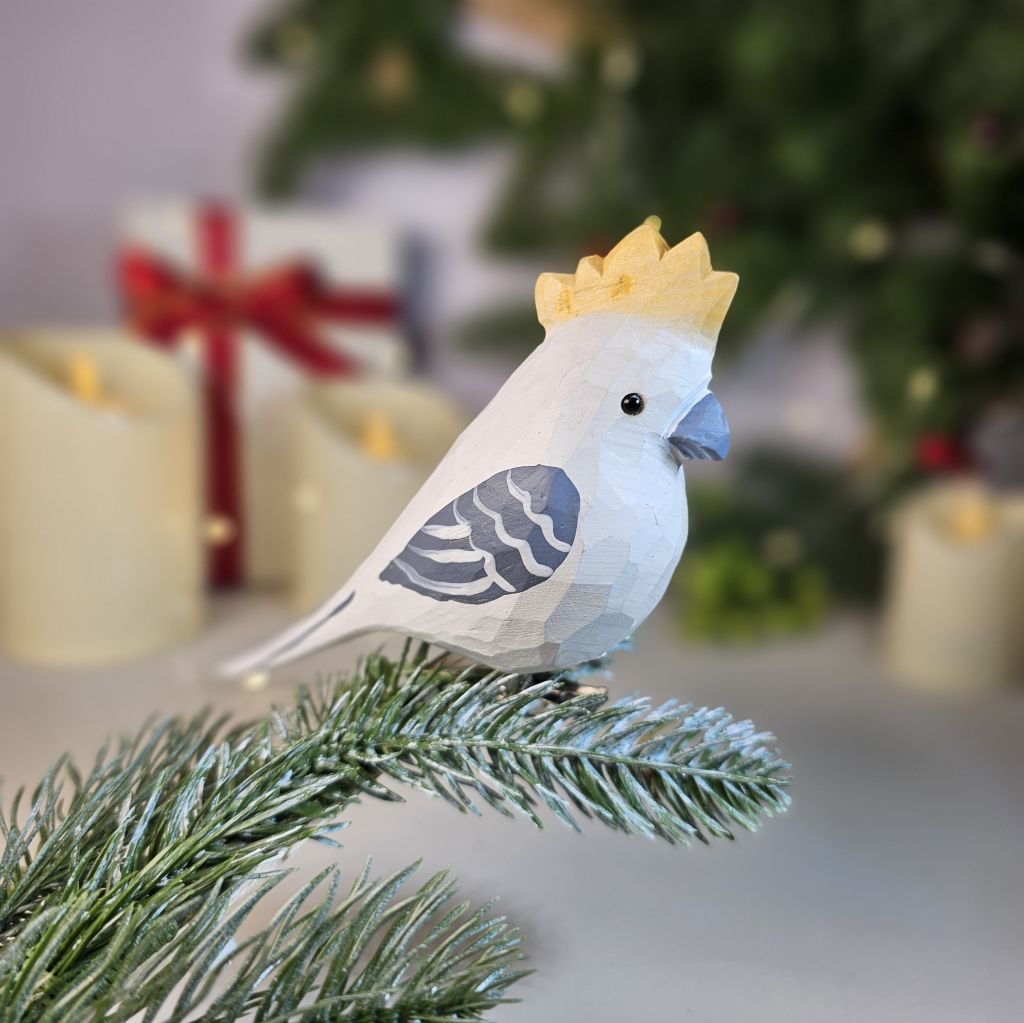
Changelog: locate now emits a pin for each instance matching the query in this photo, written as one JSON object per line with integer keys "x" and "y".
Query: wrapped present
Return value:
{"x": 258, "y": 302}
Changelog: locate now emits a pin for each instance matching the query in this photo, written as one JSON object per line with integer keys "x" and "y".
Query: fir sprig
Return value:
{"x": 673, "y": 771}
{"x": 124, "y": 892}
{"x": 373, "y": 957}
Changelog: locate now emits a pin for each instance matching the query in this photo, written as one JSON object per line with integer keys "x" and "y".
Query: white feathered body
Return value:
{"x": 561, "y": 408}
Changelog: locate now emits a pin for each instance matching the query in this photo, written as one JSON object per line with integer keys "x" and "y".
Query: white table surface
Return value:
{"x": 892, "y": 891}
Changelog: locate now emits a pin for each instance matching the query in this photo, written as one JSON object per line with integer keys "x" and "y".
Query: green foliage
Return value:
{"x": 673, "y": 772}
{"x": 176, "y": 959}
{"x": 511, "y": 328}
{"x": 732, "y": 592}
{"x": 865, "y": 157}
{"x": 772, "y": 549}
{"x": 860, "y": 160}
{"x": 126, "y": 891}
{"x": 366, "y": 75}
{"x": 796, "y": 511}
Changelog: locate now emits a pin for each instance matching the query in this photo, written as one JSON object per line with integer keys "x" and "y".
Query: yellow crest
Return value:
{"x": 642, "y": 276}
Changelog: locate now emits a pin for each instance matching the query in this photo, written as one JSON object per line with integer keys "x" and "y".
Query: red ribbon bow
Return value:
{"x": 282, "y": 306}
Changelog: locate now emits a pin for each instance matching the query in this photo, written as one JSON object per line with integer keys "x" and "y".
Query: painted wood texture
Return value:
{"x": 467, "y": 567}
{"x": 505, "y": 535}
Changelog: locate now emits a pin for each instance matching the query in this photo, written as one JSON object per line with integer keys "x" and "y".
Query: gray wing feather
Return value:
{"x": 504, "y": 536}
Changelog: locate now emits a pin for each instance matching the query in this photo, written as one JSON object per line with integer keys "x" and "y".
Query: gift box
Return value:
{"x": 257, "y": 303}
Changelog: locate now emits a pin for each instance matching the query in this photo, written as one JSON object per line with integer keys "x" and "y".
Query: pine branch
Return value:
{"x": 375, "y": 958}
{"x": 673, "y": 771}
{"x": 369, "y": 958}
{"x": 122, "y": 887}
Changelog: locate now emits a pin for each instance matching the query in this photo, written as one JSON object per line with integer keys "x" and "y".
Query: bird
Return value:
{"x": 552, "y": 527}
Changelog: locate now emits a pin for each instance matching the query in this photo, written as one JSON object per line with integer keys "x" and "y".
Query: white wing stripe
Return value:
{"x": 458, "y": 532}
{"x": 490, "y": 567}
{"x": 460, "y": 589}
{"x": 448, "y": 556}
{"x": 487, "y": 542}
{"x": 547, "y": 525}
{"x": 532, "y": 565}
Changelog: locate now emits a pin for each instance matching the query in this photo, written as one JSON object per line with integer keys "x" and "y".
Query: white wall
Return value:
{"x": 104, "y": 99}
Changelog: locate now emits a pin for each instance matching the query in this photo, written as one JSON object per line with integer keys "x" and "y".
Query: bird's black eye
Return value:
{"x": 632, "y": 404}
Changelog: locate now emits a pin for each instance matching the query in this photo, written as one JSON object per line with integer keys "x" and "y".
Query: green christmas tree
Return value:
{"x": 847, "y": 159}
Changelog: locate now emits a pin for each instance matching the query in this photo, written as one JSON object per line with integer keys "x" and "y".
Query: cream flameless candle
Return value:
{"x": 363, "y": 449}
{"x": 100, "y": 550}
{"x": 956, "y": 589}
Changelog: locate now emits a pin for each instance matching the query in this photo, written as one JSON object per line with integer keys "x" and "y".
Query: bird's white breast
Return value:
{"x": 631, "y": 534}
{"x": 631, "y": 529}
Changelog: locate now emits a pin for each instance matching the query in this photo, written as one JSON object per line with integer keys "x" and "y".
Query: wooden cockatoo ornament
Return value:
{"x": 551, "y": 528}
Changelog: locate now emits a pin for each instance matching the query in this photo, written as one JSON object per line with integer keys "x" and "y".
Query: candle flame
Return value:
{"x": 973, "y": 519}
{"x": 219, "y": 530}
{"x": 379, "y": 439}
{"x": 84, "y": 379}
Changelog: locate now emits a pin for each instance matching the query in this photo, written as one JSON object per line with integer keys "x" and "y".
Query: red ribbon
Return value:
{"x": 282, "y": 306}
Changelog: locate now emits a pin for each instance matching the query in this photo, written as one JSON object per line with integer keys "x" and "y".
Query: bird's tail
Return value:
{"x": 317, "y": 630}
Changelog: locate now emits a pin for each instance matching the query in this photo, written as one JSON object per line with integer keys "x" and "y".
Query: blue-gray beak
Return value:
{"x": 702, "y": 433}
